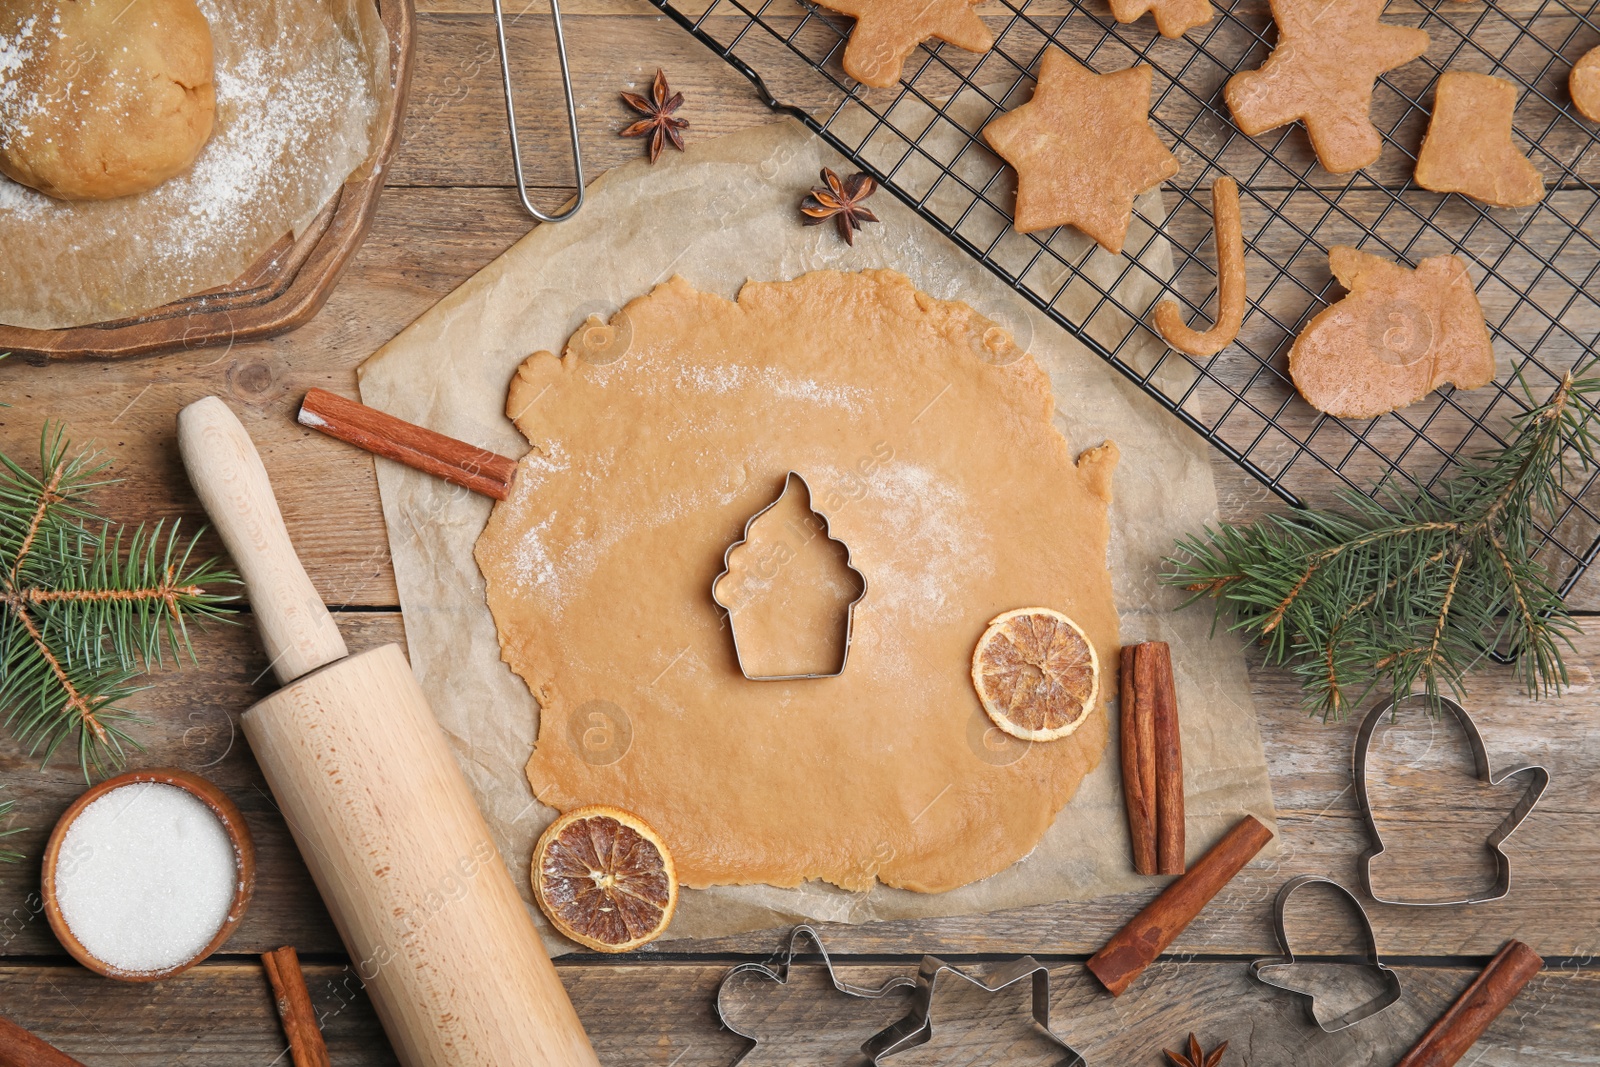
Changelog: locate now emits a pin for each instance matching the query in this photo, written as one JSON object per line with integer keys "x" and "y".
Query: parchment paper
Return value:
{"x": 722, "y": 213}
{"x": 303, "y": 88}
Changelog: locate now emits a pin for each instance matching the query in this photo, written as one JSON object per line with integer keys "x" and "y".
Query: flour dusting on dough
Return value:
{"x": 645, "y": 469}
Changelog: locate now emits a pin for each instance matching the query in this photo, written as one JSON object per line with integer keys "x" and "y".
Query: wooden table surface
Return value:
{"x": 447, "y": 212}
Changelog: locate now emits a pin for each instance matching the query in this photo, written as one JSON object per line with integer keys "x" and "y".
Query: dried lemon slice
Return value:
{"x": 604, "y": 878}
{"x": 1036, "y": 674}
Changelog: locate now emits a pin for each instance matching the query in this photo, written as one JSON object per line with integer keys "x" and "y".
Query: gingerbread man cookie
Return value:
{"x": 1174, "y": 18}
{"x": 1328, "y": 55}
{"x": 1083, "y": 149}
{"x": 887, "y": 31}
{"x": 1468, "y": 147}
{"x": 1398, "y": 335}
{"x": 1584, "y": 83}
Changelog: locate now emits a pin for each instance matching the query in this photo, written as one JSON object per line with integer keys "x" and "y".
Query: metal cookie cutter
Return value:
{"x": 917, "y": 1028}
{"x": 511, "y": 114}
{"x": 781, "y": 976}
{"x": 850, "y": 609}
{"x": 1263, "y": 967}
{"x": 1539, "y": 779}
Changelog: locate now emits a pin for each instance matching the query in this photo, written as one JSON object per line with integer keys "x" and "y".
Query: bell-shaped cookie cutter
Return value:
{"x": 917, "y": 1028}
{"x": 1539, "y": 779}
{"x": 850, "y": 609}
{"x": 780, "y": 975}
{"x": 1262, "y": 967}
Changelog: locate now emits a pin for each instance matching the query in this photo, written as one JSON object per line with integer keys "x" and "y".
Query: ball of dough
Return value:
{"x": 103, "y": 98}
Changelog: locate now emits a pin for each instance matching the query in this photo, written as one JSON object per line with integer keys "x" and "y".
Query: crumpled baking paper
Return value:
{"x": 723, "y": 212}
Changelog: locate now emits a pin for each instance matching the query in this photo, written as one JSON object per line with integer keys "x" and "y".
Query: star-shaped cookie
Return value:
{"x": 1083, "y": 149}
{"x": 1174, "y": 18}
{"x": 1329, "y": 53}
{"x": 886, "y": 31}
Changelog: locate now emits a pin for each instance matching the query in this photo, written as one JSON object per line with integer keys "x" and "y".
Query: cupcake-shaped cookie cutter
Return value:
{"x": 723, "y": 595}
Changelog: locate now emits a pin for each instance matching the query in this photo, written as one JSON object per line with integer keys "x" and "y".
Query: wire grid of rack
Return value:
{"x": 1538, "y": 268}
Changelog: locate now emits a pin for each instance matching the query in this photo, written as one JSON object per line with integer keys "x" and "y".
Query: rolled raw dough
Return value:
{"x": 656, "y": 437}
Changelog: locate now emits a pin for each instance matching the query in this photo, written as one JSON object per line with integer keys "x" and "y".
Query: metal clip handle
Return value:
{"x": 511, "y": 114}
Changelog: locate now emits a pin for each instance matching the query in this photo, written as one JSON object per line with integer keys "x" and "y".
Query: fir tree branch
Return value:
{"x": 9, "y": 855}
{"x": 1348, "y": 598}
{"x": 87, "y": 606}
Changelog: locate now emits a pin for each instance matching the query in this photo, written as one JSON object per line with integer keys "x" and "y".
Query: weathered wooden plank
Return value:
{"x": 455, "y": 129}
{"x": 424, "y": 243}
{"x": 221, "y": 1015}
{"x": 1552, "y": 906}
{"x": 455, "y": 133}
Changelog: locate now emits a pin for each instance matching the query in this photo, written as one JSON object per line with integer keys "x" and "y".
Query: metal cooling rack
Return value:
{"x": 1539, "y": 268}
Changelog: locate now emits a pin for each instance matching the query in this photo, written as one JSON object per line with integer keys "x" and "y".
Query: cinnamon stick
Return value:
{"x": 1459, "y": 1028}
{"x": 1138, "y": 762}
{"x": 1156, "y": 684}
{"x": 306, "y": 1047}
{"x": 1136, "y": 945}
{"x": 432, "y": 453}
{"x": 18, "y": 1048}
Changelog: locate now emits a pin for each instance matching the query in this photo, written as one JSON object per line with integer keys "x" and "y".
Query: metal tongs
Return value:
{"x": 511, "y": 114}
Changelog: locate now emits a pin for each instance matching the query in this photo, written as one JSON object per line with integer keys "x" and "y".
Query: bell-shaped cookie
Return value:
{"x": 1397, "y": 336}
{"x": 1468, "y": 147}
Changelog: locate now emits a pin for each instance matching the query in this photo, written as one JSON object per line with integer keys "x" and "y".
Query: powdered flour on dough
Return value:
{"x": 656, "y": 437}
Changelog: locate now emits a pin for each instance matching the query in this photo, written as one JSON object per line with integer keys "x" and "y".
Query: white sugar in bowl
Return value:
{"x": 147, "y": 874}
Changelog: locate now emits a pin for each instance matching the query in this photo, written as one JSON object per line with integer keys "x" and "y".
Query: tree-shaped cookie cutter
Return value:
{"x": 1539, "y": 779}
{"x": 780, "y": 975}
{"x": 850, "y": 609}
{"x": 917, "y": 1028}
{"x": 1263, "y": 967}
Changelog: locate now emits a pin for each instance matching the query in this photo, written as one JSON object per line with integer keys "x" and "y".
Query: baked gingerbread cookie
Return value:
{"x": 1174, "y": 18}
{"x": 1584, "y": 84}
{"x": 1328, "y": 55}
{"x": 1397, "y": 336}
{"x": 1468, "y": 147}
{"x": 1083, "y": 149}
{"x": 887, "y": 31}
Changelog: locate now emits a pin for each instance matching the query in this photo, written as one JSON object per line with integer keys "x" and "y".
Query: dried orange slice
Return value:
{"x": 604, "y": 878}
{"x": 1036, "y": 674}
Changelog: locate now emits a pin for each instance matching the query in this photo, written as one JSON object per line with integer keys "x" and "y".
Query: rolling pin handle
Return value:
{"x": 227, "y": 475}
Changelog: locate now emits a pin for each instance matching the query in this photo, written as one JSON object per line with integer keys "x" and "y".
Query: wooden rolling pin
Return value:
{"x": 378, "y": 806}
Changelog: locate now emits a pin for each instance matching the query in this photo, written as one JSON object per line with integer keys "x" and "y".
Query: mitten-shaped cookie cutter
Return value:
{"x": 1539, "y": 779}
{"x": 1264, "y": 967}
{"x": 917, "y": 1028}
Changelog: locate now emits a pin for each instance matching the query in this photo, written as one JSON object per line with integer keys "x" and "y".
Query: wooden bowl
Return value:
{"x": 209, "y": 795}
{"x": 282, "y": 290}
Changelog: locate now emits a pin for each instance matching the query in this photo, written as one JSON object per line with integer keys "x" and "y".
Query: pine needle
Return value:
{"x": 1410, "y": 586}
{"x": 8, "y": 855}
{"x": 86, "y": 607}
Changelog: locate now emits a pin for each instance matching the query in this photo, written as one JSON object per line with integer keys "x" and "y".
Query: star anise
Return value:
{"x": 840, "y": 201}
{"x": 659, "y": 124}
{"x": 1196, "y": 1058}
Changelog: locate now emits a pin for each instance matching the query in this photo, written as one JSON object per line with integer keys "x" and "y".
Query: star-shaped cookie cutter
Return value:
{"x": 1263, "y": 967}
{"x": 780, "y": 975}
{"x": 917, "y": 1028}
{"x": 1539, "y": 779}
{"x": 850, "y": 609}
